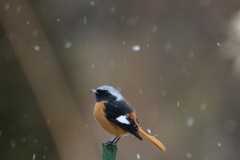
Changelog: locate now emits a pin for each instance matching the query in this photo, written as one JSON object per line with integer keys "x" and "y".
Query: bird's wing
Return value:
{"x": 117, "y": 114}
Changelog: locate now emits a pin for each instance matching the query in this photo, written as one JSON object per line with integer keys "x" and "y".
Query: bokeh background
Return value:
{"x": 176, "y": 62}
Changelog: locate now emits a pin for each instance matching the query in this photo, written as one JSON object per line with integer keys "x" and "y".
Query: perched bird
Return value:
{"x": 116, "y": 115}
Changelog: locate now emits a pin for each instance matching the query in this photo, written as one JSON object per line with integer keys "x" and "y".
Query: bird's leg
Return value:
{"x": 113, "y": 141}
{"x": 117, "y": 139}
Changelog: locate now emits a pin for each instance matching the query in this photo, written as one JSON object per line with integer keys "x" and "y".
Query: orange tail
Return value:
{"x": 152, "y": 139}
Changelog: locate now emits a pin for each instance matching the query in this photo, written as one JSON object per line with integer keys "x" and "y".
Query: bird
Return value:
{"x": 115, "y": 115}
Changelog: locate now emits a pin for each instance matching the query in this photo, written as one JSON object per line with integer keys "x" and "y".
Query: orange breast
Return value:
{"x": 103, "y": 121}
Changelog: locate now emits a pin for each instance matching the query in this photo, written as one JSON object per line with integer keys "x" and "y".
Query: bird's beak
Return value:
{"x": 94, "y": 91}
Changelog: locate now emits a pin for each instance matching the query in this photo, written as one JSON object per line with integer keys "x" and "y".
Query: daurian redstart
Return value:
{"x": 116, "y": 115}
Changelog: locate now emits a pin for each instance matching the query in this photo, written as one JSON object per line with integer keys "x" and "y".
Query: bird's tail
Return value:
{"x": 152, "y": 139}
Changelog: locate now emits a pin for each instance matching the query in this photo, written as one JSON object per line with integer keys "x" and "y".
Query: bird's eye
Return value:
{"x": 101, "y": 91}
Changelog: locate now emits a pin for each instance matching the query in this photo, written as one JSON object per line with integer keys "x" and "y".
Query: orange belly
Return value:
{"x": 103, "y": 121}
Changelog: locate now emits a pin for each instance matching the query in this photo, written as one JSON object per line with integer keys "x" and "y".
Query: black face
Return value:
{"x": 104, "y": 95}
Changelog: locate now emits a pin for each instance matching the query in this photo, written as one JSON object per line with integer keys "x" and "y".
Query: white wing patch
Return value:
{"x": 123, "y": 119}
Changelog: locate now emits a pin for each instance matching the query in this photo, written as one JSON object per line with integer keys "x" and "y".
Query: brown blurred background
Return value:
{"x": 177, "y": 63}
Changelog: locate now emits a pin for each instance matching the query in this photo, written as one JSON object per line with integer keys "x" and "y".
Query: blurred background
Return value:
{"x": 176, "y": 62}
